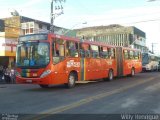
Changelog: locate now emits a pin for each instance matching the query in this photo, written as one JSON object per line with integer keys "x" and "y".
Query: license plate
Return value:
{"x": 29, "y": 81}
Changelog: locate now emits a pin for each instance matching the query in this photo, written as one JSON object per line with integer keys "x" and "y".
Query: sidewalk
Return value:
{"x": 3, "y": 81}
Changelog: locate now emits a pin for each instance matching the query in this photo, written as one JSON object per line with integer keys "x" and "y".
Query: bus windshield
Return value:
{"x": 32, "y": 54}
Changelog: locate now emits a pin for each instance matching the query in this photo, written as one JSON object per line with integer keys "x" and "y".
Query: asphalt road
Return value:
{"x": 126, "y": 95}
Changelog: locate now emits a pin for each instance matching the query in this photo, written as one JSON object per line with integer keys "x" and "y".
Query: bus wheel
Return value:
{"x": 132, "y": 72}
{"x": 110, "y": 75}
{"x": 44, "y": 86}
{"x": 71, "y": 80}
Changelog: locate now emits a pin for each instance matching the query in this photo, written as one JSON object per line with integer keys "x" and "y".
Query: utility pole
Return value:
{"x": 52, "y": 17}
{"x": 153, "y": 47}
{"x": 56, "y": 10}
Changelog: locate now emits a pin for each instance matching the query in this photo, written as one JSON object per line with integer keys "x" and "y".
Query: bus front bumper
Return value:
{"x": 21, "y": 80}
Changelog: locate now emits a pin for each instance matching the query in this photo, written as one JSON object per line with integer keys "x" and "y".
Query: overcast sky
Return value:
{"x": 139, "y": 13}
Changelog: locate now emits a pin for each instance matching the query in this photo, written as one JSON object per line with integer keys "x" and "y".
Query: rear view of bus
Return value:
{"x": 150, "y": 62}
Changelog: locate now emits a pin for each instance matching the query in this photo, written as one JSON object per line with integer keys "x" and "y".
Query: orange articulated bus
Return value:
{"x": 50, "y": 59}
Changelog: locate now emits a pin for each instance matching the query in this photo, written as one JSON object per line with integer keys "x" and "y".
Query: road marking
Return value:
{"x": 60, "y": 109}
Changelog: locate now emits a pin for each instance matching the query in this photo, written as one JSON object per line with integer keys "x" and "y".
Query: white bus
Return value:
{"x": 150, "y": 62}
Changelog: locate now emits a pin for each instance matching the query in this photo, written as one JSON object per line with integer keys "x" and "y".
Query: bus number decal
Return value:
{"x": 71, "y": 63}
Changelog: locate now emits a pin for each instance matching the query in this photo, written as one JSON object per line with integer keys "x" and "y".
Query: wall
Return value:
{"x": 2, "y": 41}
{"x": 12, "y": 27}
{"x": 1, "y": 25}
{"x": 7, "y": 45}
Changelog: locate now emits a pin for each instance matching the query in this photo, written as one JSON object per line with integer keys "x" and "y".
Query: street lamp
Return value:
{"x": 73, "y": 27}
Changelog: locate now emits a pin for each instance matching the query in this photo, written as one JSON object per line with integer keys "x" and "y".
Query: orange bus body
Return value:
{"x": 128, "y": 60}
{"x": 88, "y": 61}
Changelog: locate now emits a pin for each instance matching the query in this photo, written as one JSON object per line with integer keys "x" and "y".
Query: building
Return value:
{"x": 115, "y": 35}
{"x": 8, "y": 40}
{"x": 11, "y": 28}
{"x": 31, "y": 26}
{"x": 1, "y": 25}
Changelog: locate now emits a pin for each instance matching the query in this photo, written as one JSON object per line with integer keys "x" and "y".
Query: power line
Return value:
{"x": 151, "y": 20}
{"x": 140, "y": 21}
{"x": 152, "y": 0}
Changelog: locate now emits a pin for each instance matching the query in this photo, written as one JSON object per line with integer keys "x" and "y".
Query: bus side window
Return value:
{"x": 136, "y": 55}
{"x": 139, "y": 55}
{"x": 101, "y": 52}
{"x": 125, "y": 53}
{"x": 104, "y": 52}
{"x": 84, "y": 50}
{"x": 61, "y": 50}
{"x": 53, "y": 49}
{"x": 76, "y": 50}
{"x": 130, "y": 54}
{"x": 95, "y": 51}
{"x": 82, "y": 53}
{"x": 87, "y": 53}
{"x": 58, "y": 51}
{"x": 71, "y": 49}
{"x": 111, "y": 53}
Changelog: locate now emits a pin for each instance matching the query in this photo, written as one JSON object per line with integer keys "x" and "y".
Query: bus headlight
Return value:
{"x": 45, "y": 73}
{"x": 18, "y": 74}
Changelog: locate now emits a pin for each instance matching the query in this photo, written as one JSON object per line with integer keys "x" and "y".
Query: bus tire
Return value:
{"x": 44, "y": 86}
{"x": 110, "y": 75}
{"x": 71, "y": 80}
{"x": 132, "y": 72}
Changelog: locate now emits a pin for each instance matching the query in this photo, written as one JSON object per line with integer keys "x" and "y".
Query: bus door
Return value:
{"x": 72, "y": 57}
{"x": 58, "y": 53}
{"x": 112, "y": 64}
